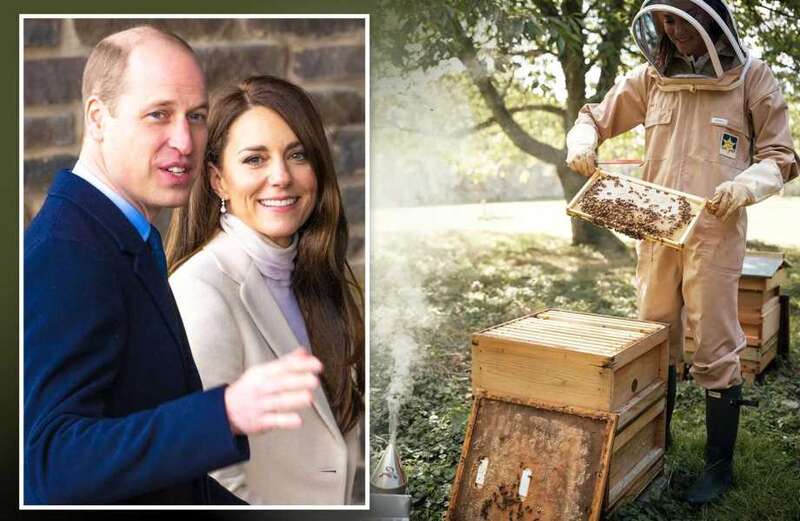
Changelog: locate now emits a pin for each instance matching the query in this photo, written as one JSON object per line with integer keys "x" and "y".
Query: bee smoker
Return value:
{"x": 388, "y": 500}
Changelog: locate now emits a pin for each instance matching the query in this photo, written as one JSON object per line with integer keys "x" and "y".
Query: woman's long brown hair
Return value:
{"x": 327, "y": 291}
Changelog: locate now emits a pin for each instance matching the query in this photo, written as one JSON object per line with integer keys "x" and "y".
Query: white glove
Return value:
{"x": 581, "y": 145}
{"x": 755, "y": 184}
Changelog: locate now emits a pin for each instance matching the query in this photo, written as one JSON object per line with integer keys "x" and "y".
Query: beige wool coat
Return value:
{"x": 233, "y": 323}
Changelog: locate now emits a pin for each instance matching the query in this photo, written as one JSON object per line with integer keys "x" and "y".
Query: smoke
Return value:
{"x": 404, "y": 352}
{"x": 399, "y": 313}
{"x": 412, "y": 143}
{"x": 414, "y": 136}
{"x": 427, "y": 149}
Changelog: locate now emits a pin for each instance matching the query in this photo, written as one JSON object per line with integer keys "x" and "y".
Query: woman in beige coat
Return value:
{"x": 258, "y": 268}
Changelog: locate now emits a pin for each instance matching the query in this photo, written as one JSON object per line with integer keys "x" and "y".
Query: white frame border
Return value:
{"x": 367, "y": 243}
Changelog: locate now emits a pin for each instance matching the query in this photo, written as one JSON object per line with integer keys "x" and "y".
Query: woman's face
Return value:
{"x": 266, "y": 178}
{"x": 683, "y": 35}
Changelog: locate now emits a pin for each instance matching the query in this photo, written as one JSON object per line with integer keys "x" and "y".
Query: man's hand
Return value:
{"x": 268, "y": 396}
{"x": 581, "y": 145}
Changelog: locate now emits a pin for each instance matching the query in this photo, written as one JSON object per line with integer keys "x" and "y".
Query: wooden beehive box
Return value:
{"x": 641, "y": 202}
{"x": 760, "y": 326}
{"x": 577, "y": 359}
{"x": 755, "y": 362}
{"x": 637, "y": 455}
{"x": 594, "y": 362}
{"x": 753, "y": 301}
{"x": 762, "y": 272}
{"x": 525, "y": 460}
{"x": 759, "y": 311}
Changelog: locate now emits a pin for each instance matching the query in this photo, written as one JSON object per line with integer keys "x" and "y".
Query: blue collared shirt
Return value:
{"x": 136, "y": 218}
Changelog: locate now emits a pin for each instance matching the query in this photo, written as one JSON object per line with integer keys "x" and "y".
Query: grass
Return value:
{"x": 436, "y": 289}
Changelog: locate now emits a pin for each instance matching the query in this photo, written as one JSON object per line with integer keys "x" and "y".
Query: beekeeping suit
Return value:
{"x": 716, "y": 126}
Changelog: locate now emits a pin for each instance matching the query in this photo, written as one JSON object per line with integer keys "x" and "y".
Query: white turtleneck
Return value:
{"x": 276, "y": 265}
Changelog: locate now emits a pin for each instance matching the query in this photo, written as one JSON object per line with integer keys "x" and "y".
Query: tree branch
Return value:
{"x": 542, "y": 107}
{"x": 547, "y": 8}
{"x": 508, "y": 84}
{"x": 477, "y": 72}
{"x": 610, "y": 61}
{"x": 533, "y": 53}
{"x": 773, "y": 10}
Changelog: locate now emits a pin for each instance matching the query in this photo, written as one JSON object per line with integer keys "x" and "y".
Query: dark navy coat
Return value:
{"x": 114, "y": 410}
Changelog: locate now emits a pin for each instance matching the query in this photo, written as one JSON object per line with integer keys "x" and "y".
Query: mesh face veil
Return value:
{"x": 689, "y": 39}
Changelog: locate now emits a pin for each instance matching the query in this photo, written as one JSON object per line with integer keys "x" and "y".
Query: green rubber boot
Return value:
{"x": 722, "y": 424}
{"x": 672, "y": 387}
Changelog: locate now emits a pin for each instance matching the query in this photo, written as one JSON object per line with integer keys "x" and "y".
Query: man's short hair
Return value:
{"x": 105, "y": 68}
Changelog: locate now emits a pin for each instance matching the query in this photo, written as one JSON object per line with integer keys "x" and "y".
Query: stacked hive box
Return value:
{"x": 759, "y": 312}
{"x": 590, "y": 361}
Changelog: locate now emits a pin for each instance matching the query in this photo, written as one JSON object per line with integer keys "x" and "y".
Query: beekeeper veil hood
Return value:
{"x": 689, "y": 39}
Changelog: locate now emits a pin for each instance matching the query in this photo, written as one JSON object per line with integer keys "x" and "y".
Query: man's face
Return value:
{"x": 153, "y": 145}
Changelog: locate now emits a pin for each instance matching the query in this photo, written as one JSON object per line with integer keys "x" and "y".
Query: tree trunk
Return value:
{"x": 574, "y": 67}
{"x": 586, "y": 233}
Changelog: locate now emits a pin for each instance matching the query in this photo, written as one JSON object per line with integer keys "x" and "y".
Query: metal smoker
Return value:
{"x": 388, "y": 500}
{"x": 388, "y": 476}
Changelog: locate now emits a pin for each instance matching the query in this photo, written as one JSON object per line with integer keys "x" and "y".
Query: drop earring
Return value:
{"x": 222, "y": 208}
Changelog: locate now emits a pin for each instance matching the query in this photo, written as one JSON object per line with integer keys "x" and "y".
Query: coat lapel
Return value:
{"x": 266, "y": 314}
{"x": 145, "y": 267}
{"x": 69, "y": 186}
{"x": 272, "y": 325}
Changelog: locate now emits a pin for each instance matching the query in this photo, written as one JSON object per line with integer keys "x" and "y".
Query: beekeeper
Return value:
{"x": 716, "y": 126}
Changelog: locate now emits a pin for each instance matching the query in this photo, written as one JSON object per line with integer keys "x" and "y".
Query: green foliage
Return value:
{"x": 530, "y": 46}
{"x": 474, "y": 281}
{"x": 421, "y": 33}
{"x": 772, "y": 26}
{"x": 432, "y": 143}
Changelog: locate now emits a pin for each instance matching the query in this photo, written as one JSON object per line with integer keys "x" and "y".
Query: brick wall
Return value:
{"x": 324, "y": 56}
